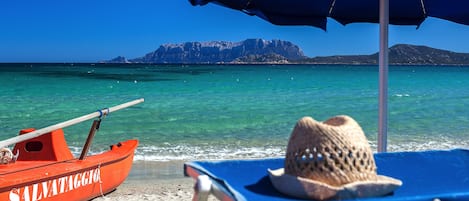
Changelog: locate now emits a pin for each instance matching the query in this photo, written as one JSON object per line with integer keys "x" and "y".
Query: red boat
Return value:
{"x": 45, "y": 169}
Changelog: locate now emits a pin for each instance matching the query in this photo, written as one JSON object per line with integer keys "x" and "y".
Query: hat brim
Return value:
{"x": 310, "y": 189}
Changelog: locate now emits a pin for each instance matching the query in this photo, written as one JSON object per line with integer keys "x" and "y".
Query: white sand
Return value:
{"x": 155, "y": 181}
{"x": 172, "y": 189}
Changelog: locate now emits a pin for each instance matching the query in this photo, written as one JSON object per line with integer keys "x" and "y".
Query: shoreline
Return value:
{"x": 154, "y": 180}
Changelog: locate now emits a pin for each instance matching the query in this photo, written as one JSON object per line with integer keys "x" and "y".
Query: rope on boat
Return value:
{"x": 100, "y": 182}
{"x": 103, "y": 114}
{"x": 6, "y": 156}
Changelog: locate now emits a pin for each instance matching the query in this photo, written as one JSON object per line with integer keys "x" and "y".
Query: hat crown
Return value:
{"x": 335, "y": 152}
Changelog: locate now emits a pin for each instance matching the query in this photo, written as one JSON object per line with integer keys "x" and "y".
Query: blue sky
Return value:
{"x": 95, "y": 30}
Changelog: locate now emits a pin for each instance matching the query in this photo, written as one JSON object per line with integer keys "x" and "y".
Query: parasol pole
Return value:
{"x": 383, "y": 75}
{"x": 42, "y": 131}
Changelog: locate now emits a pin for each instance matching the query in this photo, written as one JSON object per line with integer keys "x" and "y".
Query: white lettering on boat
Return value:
{"x": 50, "y": 188}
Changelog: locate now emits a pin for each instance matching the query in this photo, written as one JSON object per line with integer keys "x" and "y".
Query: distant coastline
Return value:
{"x": 31, "y": 66}
{"x": 260, "y": 51}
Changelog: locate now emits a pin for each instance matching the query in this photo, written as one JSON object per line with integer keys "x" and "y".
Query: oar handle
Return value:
{"x": 64, "y": 124}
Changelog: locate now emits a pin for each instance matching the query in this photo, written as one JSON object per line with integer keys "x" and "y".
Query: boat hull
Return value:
{"x": 72, "y": 179}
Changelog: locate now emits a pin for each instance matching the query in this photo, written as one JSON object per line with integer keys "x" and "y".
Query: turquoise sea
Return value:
{"x": 233, "y": 111}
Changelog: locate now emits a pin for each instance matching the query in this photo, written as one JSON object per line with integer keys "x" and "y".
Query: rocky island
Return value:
{"x": 259, "y": 51}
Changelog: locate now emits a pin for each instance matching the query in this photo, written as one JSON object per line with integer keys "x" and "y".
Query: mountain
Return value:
{"x": 221, "y": 52}
{"x": 247, "y": 51}
{"x": 119, "y": 59}
{"x": 412, "y": 54}
{"x": 259, "y": 51}
{"x": 401, "y": 54}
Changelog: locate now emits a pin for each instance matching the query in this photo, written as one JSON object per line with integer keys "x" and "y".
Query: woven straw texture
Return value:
{"x": 335, "y": 152}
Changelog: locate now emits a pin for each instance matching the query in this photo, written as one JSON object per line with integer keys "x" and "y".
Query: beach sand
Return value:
{"x": 154, "y": 181}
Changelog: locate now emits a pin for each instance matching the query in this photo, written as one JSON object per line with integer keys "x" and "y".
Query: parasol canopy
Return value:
{"x": 317, "y": 12}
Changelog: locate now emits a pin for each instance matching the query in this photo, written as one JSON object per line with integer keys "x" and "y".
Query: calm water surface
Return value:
{"x": 246, "y": 111}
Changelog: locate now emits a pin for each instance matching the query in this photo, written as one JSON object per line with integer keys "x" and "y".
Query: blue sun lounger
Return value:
{"x": 426, "y": 176}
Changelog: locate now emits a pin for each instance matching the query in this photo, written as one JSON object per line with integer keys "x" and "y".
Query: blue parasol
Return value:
{"x": 316, "y": 13}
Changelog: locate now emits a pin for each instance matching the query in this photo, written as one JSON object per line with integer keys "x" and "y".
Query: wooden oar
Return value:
{"x": 64, "y": 124}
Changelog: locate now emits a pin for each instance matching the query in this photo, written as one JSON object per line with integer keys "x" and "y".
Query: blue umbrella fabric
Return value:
{"x": 316, "y": 12}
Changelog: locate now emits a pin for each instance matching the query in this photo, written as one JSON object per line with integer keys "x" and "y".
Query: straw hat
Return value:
{"x": 330, "y": 159}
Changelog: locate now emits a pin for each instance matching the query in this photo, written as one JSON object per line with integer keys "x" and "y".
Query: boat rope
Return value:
{"x": 6, "y": 156}
{"x": 103, "y": 113}
{"x": 100, "y": 182}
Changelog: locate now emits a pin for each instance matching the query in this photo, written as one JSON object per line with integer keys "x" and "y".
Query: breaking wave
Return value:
{"x": 187, "y": 152}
